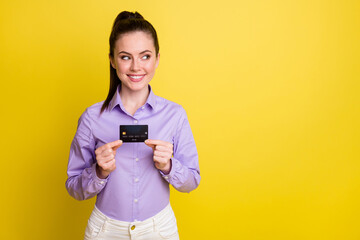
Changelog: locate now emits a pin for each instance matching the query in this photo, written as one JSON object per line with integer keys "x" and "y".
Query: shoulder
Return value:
{"x": 171, "y": 109}
{"x": 95, "y": 108}
{"x": 162, "y": 103}
{"x": 91, "y": 112}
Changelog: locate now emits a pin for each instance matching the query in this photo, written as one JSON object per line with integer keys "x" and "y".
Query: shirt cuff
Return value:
{"x": 168, "y": 176}
{"x": 96, "y": 179}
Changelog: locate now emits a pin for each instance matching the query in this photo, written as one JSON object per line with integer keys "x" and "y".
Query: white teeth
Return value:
{"x": 136, "y": 77}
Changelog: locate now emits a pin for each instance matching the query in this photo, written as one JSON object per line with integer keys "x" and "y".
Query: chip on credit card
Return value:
{"x": 133, "y": 133}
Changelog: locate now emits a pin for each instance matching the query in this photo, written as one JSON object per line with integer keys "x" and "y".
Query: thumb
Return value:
{"x": 117, "y": 145}
{"x": 149, "y": 144}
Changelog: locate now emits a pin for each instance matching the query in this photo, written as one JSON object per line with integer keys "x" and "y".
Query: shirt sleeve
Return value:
{"x": 184, "y": 175}
{"x": 82, "y": 182}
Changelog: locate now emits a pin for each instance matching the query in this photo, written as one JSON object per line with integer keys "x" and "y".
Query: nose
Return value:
{"x": 134, "y": 65}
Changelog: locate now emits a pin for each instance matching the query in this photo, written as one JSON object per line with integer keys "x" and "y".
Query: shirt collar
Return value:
{"x": 116, "y": 100}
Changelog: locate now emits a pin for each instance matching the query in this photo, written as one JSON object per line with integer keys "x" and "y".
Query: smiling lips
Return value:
{"x": 136, "y": 78}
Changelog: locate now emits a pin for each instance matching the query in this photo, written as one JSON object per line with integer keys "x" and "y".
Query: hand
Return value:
{"x": 105, "y": 157}
{"x": 162, "y": 153}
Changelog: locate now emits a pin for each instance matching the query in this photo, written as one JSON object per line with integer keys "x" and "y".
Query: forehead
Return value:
{"x": 135, "y": 42}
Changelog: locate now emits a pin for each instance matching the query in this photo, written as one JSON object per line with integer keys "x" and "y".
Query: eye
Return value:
{"x": 147, "y": 56}
{"x": 125, "y": 57}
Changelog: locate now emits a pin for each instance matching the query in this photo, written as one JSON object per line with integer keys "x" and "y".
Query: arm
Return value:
{"x": 184, "y": 175}
{"x": 82, "y": 182}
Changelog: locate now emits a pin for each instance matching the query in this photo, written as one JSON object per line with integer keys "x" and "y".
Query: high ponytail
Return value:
{"x": 126, "y": 22}
{"x": 127, "y": 15}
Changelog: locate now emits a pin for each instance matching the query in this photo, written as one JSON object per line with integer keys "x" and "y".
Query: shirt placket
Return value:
{"x": 135, "y": 180}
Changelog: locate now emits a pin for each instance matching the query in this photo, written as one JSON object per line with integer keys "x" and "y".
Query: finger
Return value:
{"x": 156, "y": 142}
{"x": 116, "y": 143}
{"x": 160, "y": 160}
{"x": 162, "y": 154}
{"x": 163, "y": 148}
{"x": 104, "y": 159}
{"x": 101, "y": 149}
{"x": 150, "y": 145}
{"x": 109, "y": 166}
{"x": 105, "y": 153}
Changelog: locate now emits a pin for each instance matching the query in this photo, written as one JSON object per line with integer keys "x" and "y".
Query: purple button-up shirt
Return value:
{"x": 135, "y": 190}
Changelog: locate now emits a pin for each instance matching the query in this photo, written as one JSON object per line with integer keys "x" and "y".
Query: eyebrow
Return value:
{"x": 130, "y": 53}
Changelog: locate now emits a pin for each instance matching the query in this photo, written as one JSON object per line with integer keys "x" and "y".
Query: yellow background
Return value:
{"x": 271, "y": 89}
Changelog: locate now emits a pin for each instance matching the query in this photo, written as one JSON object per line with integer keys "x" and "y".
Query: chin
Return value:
{"x": 136, "y": 86}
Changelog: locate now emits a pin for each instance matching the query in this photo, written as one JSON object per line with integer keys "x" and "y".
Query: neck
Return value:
{"x": 131, "y": 100}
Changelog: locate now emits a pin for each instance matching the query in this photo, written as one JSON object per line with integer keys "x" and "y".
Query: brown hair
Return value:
{"x": 126, "y": 22}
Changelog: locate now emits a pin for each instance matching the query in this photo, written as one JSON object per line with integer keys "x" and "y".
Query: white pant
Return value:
{"x": 161, "y": 226}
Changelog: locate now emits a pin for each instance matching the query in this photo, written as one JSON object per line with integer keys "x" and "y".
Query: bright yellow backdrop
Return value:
{"x": 271, "y": 89}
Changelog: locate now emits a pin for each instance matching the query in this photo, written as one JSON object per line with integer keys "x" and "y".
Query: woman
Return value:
{"x": 131, "y": 180}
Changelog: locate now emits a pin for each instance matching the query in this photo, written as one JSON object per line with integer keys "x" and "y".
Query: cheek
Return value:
{"x": 123, "y": 68}
{"x": 150, "y": 67}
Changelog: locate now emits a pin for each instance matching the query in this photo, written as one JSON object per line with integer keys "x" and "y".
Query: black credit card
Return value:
{"x": 133, "y": 133}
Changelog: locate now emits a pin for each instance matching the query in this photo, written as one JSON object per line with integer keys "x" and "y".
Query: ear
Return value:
{"x": 112, "y": 61}
{"x": 157, "y": 60}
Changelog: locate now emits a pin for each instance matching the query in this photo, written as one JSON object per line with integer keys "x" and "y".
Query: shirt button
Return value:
{"x": 135, "y": 121}
{"x": 136, "y": 179}
{"x": 132, "y": 227}
{"x": 136, "y": 159}
{"x": 142, "y": 107}
{"x": 135, "y": 200}
{"x": 166, "y": 177}
{"x": 102, "y": 182}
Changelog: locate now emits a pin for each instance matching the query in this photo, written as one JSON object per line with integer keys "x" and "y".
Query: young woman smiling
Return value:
{"x": 131, "y": 180}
